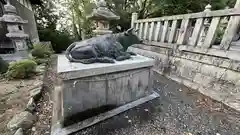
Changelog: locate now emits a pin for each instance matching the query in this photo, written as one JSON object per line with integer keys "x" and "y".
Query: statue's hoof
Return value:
{"x": 111, "y": 61}
{"x": 132, "y": 53}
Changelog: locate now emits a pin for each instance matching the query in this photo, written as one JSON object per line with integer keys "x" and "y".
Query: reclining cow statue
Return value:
{"x": 103, "y": 49}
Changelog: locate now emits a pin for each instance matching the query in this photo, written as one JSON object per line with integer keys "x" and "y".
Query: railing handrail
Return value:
{"x": 195, "y": 29}
{"x": 216, "y": 13}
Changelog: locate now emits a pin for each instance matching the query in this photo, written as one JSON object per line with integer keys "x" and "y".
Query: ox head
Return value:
{"x": 129, "y": 38}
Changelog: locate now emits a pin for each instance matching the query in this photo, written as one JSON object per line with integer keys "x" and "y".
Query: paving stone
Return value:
{"x": 22, "y": 120}
{"x": 19, "y": 132}
{"x": 36, "y": 93}
{"x": 31, "y": 106}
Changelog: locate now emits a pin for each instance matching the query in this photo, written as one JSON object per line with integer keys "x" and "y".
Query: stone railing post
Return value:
{"x": 205, "y": 26}
{"x": 208, "y": 8}
{"x": 134, "y": 18}
{"x": 237, "y": 5}
{"x": 231, "y": 30}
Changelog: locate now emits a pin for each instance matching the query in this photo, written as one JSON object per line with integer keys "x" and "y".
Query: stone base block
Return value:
{"x": 89, "y": 86}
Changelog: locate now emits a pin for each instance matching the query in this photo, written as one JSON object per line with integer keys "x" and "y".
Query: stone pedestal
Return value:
{"x": 91, "y": 86}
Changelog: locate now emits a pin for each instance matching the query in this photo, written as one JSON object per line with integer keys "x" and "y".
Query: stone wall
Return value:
{"x": 212, "y": 74}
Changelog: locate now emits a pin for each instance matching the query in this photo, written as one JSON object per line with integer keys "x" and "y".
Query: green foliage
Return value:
{"x": 73, "y": 16}
{"x": 158, "y": 8}
{"x": 3, "y": 66}
{"x": 80, "y": 9}
{"x": 59, "y": 40}
{"x": 47, "y": 20}
{"x": 45, "y": 15}
{"x": 40, "y": 61}
{"x": 219, "y": 35}
{"x": 21, "y": 69}
{"x": 41, "y": 51}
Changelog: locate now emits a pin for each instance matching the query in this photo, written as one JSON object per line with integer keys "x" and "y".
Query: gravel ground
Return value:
{"x": 178, "y": 111}
{"x": 44, "y": 106}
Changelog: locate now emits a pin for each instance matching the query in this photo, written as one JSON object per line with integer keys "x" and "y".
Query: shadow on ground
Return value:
{"x": 179, "y": 110}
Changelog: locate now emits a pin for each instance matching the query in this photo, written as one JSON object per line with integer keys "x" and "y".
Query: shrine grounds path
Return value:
{"x": 178, "y": 111}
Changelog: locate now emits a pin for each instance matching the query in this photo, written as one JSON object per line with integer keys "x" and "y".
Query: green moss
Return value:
{"x": 41, "y": 51}
{"x": 21, "y": 69}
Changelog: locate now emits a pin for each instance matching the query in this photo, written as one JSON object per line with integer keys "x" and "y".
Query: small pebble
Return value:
{"x": 126, "y": 117}
{"x": 188, "y": 134}
{"x": 218, "y": 134}
{"x": 146, "y": 110}
{"x": 33, "y": 129}
{"x": 129, "y": 121}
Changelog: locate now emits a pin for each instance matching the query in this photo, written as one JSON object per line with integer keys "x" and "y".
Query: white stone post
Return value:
{"x": 208, "y": 8}
{"x": 237, "y": 5}
{"x": 205, "y": 26}
{"x": 134, "y": 18}
{"x": 231, "y": 30}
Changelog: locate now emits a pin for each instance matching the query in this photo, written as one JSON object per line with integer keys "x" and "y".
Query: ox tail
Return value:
{"x": 67, "y": 53}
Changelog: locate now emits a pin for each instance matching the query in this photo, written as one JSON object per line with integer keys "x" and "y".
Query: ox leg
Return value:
{"x": 88, "y": 61}
{"x": 123, "y": 56}
{"x": 132, "y": 53}
{"x": 105, "y": 60}
{"x": 95, "y": 60}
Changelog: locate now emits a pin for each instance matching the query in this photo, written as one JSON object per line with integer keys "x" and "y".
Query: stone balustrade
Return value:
{"x": 185, "y": 50}
{"x": 198, "y": 30}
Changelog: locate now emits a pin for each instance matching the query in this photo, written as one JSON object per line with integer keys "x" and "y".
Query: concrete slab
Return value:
{"x": 68, "y": 70}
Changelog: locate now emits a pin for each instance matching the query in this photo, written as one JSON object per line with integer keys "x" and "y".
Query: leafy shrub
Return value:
{"x": 41, "y": 51}
{"x": 3, "y": 66}
{"x": 21, "y": 69}
{"x": 59, "y": 40}
{"x": 40, "y": 61}
{"x": 219, "y": 35}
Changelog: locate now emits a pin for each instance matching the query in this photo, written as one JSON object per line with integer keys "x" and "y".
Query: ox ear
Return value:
{"x": 129, "y": 31}
{"x": 136, "y": 30}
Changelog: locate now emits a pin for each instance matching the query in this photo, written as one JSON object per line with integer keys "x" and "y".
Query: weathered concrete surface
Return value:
{"x": 212, "y": 75}
{"x": 68, "y": 70}
{"x": 107, "y": 89}
{"x": 179, "y": 110}
{"x": 92, "y": 86}
{"x": 22, "y": 120}
{"x": 79, "y": 125}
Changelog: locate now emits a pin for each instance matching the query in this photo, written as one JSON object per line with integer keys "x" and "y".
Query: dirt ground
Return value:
{"x": 14, "y": 96}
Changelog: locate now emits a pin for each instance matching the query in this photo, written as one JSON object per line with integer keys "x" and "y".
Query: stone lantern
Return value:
{"x": 15, "y": 27}
{"x": 102, "y": 15}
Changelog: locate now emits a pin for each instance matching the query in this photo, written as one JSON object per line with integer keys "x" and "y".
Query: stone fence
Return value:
{"x": 189, "y": 49}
